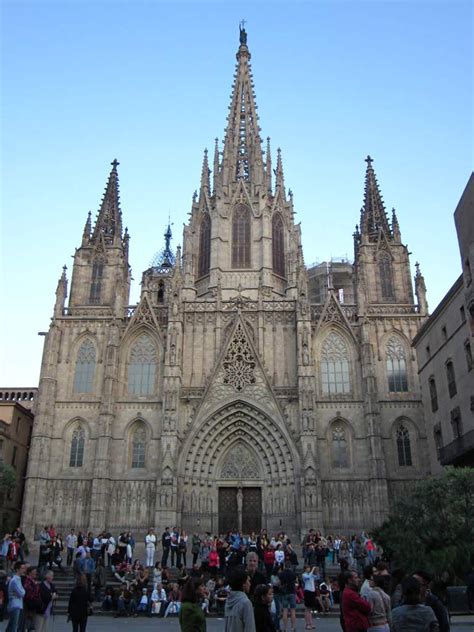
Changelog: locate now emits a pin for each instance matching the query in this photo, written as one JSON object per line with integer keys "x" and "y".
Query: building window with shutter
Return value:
{"x": 451, "y": 378}
{"x": 433, "y": 394}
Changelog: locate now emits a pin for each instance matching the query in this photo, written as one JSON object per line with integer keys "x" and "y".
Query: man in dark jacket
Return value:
{"x": 256, "y": 577}
{"x": 355, "y": 609}
{"x": 165, "y": 543}
{"x": 431, "y": 600}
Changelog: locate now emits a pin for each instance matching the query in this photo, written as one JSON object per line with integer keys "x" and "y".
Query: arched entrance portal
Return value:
{"x": 239, "y": 467}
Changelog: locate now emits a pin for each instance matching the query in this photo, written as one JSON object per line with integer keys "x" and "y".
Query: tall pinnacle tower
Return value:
{"x": 242, "y": 157}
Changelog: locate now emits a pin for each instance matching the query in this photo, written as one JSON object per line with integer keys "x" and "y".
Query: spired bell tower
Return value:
{"x": 241, "y": 230}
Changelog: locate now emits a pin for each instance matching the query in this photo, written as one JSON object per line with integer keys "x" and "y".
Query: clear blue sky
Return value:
{"x": 149, "y": 83}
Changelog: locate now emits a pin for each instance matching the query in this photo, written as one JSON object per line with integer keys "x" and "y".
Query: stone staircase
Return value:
{"x": 64, "y": 582}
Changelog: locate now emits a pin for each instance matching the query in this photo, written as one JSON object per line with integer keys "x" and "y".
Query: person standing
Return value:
{"x": 355, "y": 609}
{"x": 71, "y": 544}
{"x": 48, "y": 595}
{"x": 263, "y": 597}
{"x": 380, "y": 616}
{"x": 288, "y": 595}
{"x": 239, "y": 615}
{"x": 413, "y": 616}
{"x": 150, "y": 544}
{"x": 16, "y": 592}
{"x": 256, "y": 577}
{"x": 191, "y": 615}
{"x": 78, "y": 607}
{"x": 165, "y": 543}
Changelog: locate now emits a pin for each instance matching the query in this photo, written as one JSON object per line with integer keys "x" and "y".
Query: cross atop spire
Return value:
{"x": 373, "y": 216}
{"x": 109, "y": 217}
{"x": 242, "y": 155}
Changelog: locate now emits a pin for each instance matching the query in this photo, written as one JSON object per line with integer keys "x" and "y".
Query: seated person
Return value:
{"x": 158, "y": 597}
{"x": 220, "y": 595}
{"x": 143, "y": 603}
{"x": 126, "y": 604}
{"x": 110, "y": 600}
{"x": 173, "y": 604}
{"x": 325, "y": 596}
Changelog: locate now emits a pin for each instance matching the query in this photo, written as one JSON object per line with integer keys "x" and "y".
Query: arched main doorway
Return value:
{"x": 239, "y": 468}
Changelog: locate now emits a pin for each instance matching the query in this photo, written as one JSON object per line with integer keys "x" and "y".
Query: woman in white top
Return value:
{"x": 150, "y": 542}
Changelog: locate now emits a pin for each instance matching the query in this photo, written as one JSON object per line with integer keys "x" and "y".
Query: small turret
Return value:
{"x": 61, "y": 294}
{"x": 268, "y": 166}
{"x": 215, "y": 175}
{"x": 205, "y": 171}
{"x": 395, "y": 227}
{"x": 279, "y": 177}
{"x": 86, "y": 235}
{"x": 420, "y": 291}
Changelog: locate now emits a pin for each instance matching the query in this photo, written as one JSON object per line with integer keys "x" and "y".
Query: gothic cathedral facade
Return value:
{"x": 227, "y": 394}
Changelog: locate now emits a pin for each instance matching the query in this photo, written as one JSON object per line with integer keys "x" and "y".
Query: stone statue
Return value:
{"x": 243, "y": 33}
{"x": 240, "y": 504}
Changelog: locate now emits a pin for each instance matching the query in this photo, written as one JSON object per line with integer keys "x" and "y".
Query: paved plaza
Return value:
{"x": 106, "y": 624}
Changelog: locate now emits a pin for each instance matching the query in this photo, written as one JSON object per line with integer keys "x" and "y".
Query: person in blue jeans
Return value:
{"x": 288, "y": 596}
{"x": 16, "y": 592}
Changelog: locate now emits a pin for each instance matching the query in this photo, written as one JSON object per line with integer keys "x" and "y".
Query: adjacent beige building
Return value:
{"x": 16, "y": 424}
{"x": 243, "y": 390}
{"x": 444, "y": 350}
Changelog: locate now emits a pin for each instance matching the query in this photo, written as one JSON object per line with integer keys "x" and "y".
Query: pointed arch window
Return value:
{"x": 403, "y": 446}
{"x": 241, "y": 237}
{"x": 76, "y": 455}
{"x": 142, "y": 366}
{"x": 204, "y": 246}
{"x": 386, "y": 278}
{"x": 340, "y": 448}
{"x": 278, "y": 245}
{"x": 96, "y": 282}
{"x": 85, "y": 367}
{"x": 335, "y": 365}
{"x": 138, "y": 446}
{"x": 396, "y": 367}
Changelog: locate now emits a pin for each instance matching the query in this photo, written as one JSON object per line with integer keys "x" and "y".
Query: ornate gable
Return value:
{"x": 333, "y": 314}
{"x": 239, "y": 371}
{"x": 144, "y": 315}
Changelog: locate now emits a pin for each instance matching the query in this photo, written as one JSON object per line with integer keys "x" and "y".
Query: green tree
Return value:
{"x": 433, "y": 526}
{"x": 7, "y": 478}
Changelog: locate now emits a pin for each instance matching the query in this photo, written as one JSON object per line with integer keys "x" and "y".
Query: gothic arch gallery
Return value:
{"x": 244, "y": 390}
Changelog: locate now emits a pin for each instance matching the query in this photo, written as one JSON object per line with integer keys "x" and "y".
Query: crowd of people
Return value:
{"x": 254, "y": 582}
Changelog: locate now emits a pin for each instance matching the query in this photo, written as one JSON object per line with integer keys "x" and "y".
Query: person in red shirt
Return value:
{"x": 354, "y": 607}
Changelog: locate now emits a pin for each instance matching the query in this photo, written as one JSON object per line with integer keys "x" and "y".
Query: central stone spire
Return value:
{"x": 242, "y": 156}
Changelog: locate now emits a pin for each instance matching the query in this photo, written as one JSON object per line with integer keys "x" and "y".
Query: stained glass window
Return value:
{"x": 241, "y": 237}
{"x": 76, "y": 457}
{"x": 278, "y": 245}
{"x": 138, "y": 446}
{"x": 340, "y": 452}
{"x": 85, "y": 367}
{"x": 142, "y": 366}
{"x": 396, "y": 366}
{"x": 403, "y": 446}
{"x": 335, "y": 365}
{"x": 204, "y": 246}
{"x": 385, "y": 270}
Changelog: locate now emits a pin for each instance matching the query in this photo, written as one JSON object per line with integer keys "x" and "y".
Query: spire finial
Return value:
{"x": 268, "y": 166}
{"x": 215, "y": 175}
{"x": 279, "y": 179}
{"x": 369, "y": 160}
{"x": 115, "y": 163}
{"x": 205, "y": 173}
{"x": 242, "y": 33}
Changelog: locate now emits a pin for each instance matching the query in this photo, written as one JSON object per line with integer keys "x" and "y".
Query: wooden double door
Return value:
{"x": 240, "y": 508}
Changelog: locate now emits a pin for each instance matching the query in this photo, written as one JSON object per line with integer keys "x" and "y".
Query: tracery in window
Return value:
{"x": 241, "y": 237}
{"x": 340, "y": 449}
{"x": 85, "y": 367}
{"x": 142, "y": 366}
{"x": 76, "y": 455}
{"x": 385, "y": 271}
{"x": 396, "y": 366}
{"x": 403, "y": 446}
{"x": 138, "y": 446}
{"x": 278, "y": 245}
{"x": 204, "y": 246}
{"x": 335, "y": 365}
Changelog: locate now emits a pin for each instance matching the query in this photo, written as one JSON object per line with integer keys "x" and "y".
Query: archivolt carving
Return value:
{"x": 240, "y": 464}
{"x": 242, "y": 424}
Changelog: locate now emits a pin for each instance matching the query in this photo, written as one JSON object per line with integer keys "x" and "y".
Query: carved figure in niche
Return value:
{"x": 173, "y": 354}
{"x": 305, "y": 355}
